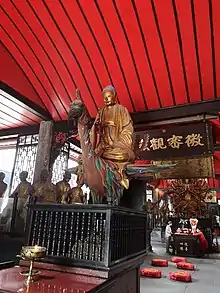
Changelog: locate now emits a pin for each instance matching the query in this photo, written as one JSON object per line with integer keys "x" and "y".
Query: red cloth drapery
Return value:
{"x": 203, "y": 241}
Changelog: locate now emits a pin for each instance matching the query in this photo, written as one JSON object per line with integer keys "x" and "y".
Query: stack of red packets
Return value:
{"x": 181, "y": 263}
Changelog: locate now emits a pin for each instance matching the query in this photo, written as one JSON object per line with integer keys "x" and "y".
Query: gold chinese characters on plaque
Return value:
{"x": 184, "y": 141}
{"x": 175, "y": 142}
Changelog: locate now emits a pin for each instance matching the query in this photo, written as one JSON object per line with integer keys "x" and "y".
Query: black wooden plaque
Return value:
{"x": 191, "y": 140}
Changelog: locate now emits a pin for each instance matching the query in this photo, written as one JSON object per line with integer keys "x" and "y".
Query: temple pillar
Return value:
{"x": 44, "y": 148}
{"x": 135, "y": 196}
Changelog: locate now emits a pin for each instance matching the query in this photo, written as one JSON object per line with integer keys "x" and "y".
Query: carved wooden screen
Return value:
{"x": 25, "y": 159}
{"x": 61, "y": 163}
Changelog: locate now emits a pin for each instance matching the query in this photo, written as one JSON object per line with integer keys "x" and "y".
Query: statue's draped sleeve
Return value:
{"x": 95, "y": 132}
{"x": 125, "y": 125}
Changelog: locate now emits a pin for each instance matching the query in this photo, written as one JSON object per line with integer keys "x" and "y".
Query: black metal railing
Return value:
{"x": 88, "y": 235}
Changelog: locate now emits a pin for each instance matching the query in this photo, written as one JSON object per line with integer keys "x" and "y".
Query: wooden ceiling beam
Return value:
{"x": 205, "y": 107}
{"x": 24, "y": 102}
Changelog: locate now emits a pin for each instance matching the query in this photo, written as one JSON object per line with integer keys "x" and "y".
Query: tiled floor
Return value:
{"x": 205, "y": 279}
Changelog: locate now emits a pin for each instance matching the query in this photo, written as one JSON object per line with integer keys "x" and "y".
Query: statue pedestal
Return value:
{"x": 96, "y": 248}
{"x": 88, "y": 236}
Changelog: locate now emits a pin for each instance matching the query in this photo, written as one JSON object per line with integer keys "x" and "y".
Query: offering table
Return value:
{"x": 191, "y": 245}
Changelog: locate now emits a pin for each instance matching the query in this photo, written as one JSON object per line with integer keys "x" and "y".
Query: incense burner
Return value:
{"x": 31, "y": 253}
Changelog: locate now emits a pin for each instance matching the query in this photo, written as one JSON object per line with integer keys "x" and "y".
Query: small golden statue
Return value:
{"x": 190, "y": 197}
{"x": 24, "y": 189}
{"x": 23, "y": 192}
{"x": 76, "y": 195}
{"x": 63, "y": 187}
{"x": 44, "y": 189}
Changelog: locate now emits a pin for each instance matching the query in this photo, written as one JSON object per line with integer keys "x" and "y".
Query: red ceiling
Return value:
{"x": 157, "y": 53}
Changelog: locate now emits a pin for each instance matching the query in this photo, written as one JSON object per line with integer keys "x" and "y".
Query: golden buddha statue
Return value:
{"x": 23, "y": 192}
{"x": 63, "y": 187}
{"x": 24, "y": 188}
{"x": 80, "y": 172}
{"x": 44, "y": 189}
{"x": 3, "y": 185}
{"x": 76, "y": 195}
{"x": 112, "y": 133}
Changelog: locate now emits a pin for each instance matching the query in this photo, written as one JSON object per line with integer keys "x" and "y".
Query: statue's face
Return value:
{"x": 109, "y": 98}
{"x": 23, "y": 176}
{"x": 67, "y": 176}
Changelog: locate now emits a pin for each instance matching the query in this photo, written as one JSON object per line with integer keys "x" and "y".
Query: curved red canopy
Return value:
{"x": 157, "y": 53}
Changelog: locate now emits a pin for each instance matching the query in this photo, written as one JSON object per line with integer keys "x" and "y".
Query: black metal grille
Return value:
{"x": 127, "y": 236}
{"x": 76, "y": 235}
{"x": 88, "y": 235}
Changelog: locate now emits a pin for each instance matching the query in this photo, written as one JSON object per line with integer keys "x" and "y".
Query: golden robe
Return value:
{"x": 23, "y": 190}
{"x": 75, "y": 195}
{"x": 62, "y": 189}
{"x": 45, "y": 192}
{"x": 112, "y": 134}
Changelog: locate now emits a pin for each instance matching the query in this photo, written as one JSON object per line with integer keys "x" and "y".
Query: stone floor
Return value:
{"x": 205, "y": 279}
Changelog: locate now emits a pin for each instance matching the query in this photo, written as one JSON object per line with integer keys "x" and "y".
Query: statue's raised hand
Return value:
{"x": 77, "y": 107}
{"x": 78, "y": 94}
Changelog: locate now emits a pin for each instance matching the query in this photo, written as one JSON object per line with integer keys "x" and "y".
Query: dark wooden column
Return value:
{"x": 135, "y": 196}
{"x": 44, "y": 148}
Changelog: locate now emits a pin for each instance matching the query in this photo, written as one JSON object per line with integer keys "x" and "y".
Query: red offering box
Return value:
{"x": 150, "y": 273}
{"x": 185, "y": 266}
{"x": 180, "y": 276}
{"x": 159, "y": 262}
{"x": 177, "y": 259}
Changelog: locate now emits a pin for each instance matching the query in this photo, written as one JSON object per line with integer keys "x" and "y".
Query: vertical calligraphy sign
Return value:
{"x": 191, "y": 140}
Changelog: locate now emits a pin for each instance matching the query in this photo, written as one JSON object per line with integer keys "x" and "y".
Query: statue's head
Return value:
{"x": 23, "y": 175}
{"x": 2, "y": 176}
{"x": 77, "y": 107}
{"x": 110, "y": 95}
{"x": 78, "y": 114}
{"x": 44, "y": 175}
{"x": 67, "y": 176}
